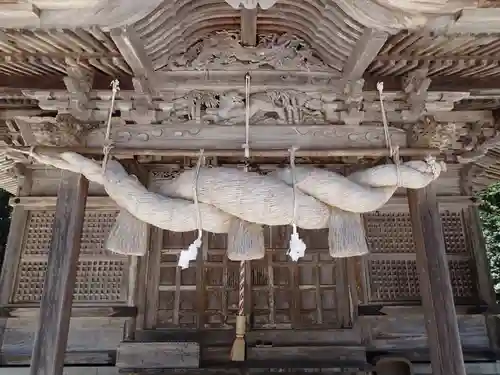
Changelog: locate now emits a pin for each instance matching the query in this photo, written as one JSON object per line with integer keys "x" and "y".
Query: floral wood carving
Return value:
{"x": 223, "y": 51}
{"x": 430, "y": 133}
{"x": 63, "y": 130}
{"x": 477, "y": 144}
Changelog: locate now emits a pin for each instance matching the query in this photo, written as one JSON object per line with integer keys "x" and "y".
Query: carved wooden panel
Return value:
{"x": 101, "y": 276}
{"x": 391, "y": 265}
{"x": 280, "y": 293}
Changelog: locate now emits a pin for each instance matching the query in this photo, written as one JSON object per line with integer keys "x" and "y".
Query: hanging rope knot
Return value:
{"x": 397, "y": 162}
{"x": 31, "y": 154}
{"x": 246, "y": 148}
{"x": 380, "y": 87}
{"x": 192, "y": 251}
{"x": 108, "y": 145}
{"x": 434, "y": 165}
{"x": 115, "y": 85}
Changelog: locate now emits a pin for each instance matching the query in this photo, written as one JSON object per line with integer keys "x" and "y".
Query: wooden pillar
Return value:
{"x": 55, "y": 307}
{"x": 435, "y": 285}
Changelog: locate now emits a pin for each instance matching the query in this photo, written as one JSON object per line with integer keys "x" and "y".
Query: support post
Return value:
{"x": 435, "y": 284}
{"x": 249, "y": 27}
{"x": 55, "y": 307}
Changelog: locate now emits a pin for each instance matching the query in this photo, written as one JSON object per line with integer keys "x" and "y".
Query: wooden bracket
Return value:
{"x": 353, "y": 92}
{"x": 415, "y": 86}
{"x": 79, "y": 83}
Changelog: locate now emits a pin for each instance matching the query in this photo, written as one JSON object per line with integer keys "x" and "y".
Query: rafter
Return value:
{"x": 444, "y": 58}
{"x": 131, "y": 47}
{"x": 363, "y": 54}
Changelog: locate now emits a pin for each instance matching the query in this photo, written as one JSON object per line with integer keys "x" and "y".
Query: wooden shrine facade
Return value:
{"x": 421, "y": 295}
{"x": 320, "y": 311}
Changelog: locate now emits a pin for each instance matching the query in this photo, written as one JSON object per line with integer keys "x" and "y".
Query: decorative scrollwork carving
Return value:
{"x": 223, "y": 50}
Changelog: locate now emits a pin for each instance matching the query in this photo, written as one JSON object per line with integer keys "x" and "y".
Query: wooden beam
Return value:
{"x": 55, "y": 82}
{"x": 153, "y": 278}
{"x": 11, "y": 259}
{"x": 435, "y": 284}
{"x": 55, "y": 307}
{"x": 13, "y": 10}
{"x": 61, "y": 56}
{"x": 123, "y": 152}
{"x": 367, "y": 48}
{"x": 249, "y": 27}
{"x": 8, "y": 114}
{"x": 163, "y": 82}
{"x": 14, "y": 312}
{"x": 158, "y": 355}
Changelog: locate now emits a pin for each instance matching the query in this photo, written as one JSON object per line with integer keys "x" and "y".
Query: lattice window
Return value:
{"x": 275, "y": 281}
{"x": 394, "y": 280}
{"x": 392, "y": 268}
{"x": 96, "y": 281}
{"x": 462, "y": 278}
{"x": 96, "y": 227}
{"x": 389, "y": 232}
{"x": 454, "y": 233}
{"x": 101, "y": 276}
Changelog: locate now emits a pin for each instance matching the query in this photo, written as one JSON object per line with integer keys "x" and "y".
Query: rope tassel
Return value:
{"x": 297, "y": 246}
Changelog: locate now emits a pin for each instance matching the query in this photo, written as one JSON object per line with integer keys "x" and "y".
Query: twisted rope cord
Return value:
{"x": 294, "y": 186}
{"x": 393, "y": 151}
{"x": 195, "y": 194}
{"x": 192, "y": 251}
{"x": 246, "y": 146}
{"x": 108, "y": 144}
